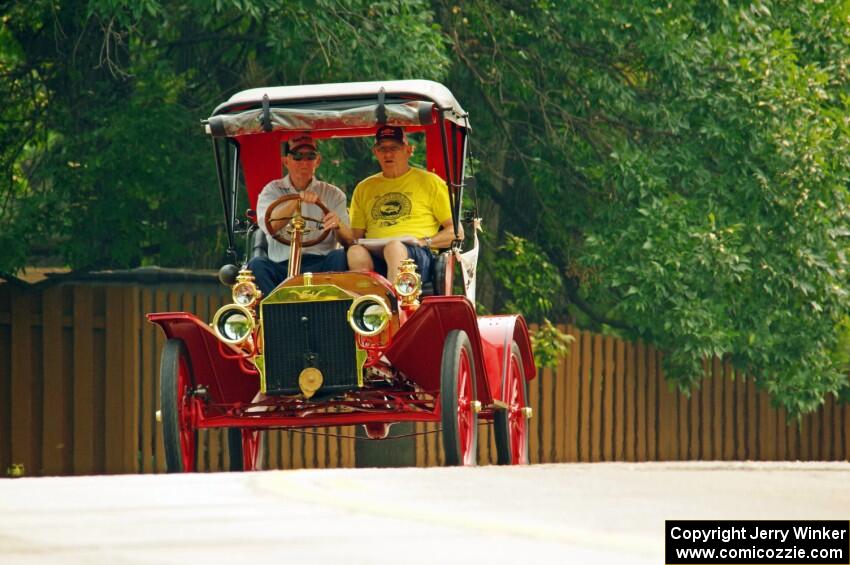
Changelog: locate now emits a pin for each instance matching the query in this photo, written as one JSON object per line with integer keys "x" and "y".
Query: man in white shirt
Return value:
{"x": 301, "y": 159}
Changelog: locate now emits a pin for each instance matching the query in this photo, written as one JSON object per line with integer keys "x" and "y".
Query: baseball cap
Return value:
{"x": 299, "y": 141}
{"x": 394, "y": 133}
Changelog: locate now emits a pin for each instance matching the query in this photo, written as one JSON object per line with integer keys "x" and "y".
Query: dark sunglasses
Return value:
{"x": 304, "y": 156}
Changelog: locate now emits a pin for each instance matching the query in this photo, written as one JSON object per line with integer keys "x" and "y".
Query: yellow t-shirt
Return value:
{"x": 416, "y": 203}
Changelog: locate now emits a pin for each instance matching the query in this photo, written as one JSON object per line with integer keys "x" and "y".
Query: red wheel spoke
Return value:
{"x": 518, "y": 424}
{"x": 250, "y": 449}
{"x": 465, "y": 416}
{"x": 511, "y": 425}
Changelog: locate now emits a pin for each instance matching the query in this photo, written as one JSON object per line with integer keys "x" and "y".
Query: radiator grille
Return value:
{"x": 291, "y": 331}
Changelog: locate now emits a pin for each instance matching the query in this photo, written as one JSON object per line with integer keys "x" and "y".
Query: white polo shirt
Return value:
{"x": 331, "y": 196}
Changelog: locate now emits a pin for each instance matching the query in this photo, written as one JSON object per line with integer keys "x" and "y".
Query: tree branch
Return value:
{"x": 572, "y": 291}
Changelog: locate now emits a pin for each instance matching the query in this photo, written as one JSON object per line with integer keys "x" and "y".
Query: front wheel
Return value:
{"x": 511, "y": 424}
{"x": 457, "y": 400}
{"x": 175, "y": 386}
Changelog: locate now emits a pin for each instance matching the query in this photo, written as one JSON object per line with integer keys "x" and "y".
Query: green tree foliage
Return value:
{"x": 522, "y": 268}
{"x": 684, "y": 165}
{"x": 103, "y": 160}
{"x": 677, "y": 170}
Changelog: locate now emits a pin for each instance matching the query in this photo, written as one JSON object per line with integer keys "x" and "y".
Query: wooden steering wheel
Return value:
{"x": 282, "y": 234}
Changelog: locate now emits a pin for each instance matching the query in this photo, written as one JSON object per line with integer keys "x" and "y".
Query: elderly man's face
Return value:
{"x": 301, "y": 165}
{"x": 393, "y": 157}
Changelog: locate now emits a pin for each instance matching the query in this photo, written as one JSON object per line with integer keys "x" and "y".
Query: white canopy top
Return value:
{"x": 409, "y": 89}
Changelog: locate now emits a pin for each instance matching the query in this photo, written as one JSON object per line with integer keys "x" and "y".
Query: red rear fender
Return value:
{"x": 497, "y": 333}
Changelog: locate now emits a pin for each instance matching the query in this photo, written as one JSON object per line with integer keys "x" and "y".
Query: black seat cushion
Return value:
{"x": 435, "y": 282}
{"x": 259, "y": 244}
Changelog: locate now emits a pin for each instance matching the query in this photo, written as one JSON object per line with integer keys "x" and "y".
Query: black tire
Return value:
{"x": 457, "y": 423}
{"x": 501, "y": 419}
{"x": 180, "y": 443}
{"x": 234, "y": 449}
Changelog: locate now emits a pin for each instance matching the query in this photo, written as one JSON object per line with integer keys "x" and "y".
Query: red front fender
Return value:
{"x": 417, "y": 347}
{"x": 215, "y": 364}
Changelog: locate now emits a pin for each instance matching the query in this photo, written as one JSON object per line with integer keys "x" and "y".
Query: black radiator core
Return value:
{"x": 308, "y": 334}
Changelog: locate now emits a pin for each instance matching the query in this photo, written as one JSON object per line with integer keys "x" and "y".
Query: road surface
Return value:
{"x": 578, "y": 513}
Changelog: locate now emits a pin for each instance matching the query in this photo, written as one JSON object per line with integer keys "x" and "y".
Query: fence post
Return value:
{"x": 23, "y": 436}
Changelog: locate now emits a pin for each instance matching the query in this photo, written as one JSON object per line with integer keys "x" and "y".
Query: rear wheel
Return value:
{"x": 175, "y": 385}
{"x": 457, "y": 400}
{"x": 245, "y": 447}
{"x": 511, "y": 424}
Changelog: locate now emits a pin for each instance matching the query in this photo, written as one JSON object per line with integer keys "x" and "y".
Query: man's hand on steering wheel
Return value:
{"x": 309, "y": 196}
{"x": 282, "y": 234}
{"x": 330, "y": 221}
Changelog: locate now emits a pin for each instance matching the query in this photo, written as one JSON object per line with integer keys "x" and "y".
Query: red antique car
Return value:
{"x": 331, "y": 349}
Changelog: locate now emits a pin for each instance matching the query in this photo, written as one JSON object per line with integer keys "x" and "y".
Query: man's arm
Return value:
{"x": 344, "y": 234}
{"x": 443, "y": 239}
{"x": 441, "y": 208}
{"x": 285, "y": 211}
{"x": 269, "y": 194}
{"x": 337, "y": 219}
{"x": 357, "y": 217}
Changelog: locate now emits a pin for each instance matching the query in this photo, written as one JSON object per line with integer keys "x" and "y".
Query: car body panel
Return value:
{"x": 497, "y": 333}
{"x": 417, "y": 348}
{"x": 217, "y": 365}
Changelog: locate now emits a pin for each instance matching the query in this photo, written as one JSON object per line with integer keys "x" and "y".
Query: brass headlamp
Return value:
{"x": 245, "y": 292}
{"x": 368, "y": 315}
{"x": 233, "y": 324}
{"x": 408, "y": 283}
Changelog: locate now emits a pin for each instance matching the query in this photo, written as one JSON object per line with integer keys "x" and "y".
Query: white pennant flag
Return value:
{"x": 469, "y": 262}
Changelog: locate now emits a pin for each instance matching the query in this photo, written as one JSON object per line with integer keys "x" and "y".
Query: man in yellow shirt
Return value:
{"x": 400, "y": 202}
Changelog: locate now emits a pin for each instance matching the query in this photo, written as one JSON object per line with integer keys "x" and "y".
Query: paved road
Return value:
{"x": 588, "y": 514}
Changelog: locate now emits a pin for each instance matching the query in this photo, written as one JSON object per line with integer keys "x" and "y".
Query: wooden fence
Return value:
{"x": 79, "y": 392}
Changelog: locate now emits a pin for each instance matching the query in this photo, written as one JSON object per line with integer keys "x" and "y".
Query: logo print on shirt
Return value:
{"x": 391, "y": 208}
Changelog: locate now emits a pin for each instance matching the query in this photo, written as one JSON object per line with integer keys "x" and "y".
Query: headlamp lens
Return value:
{"x": 244, "y": 293}
{"x": 235, "y": 326}
{"x": 369, "y": 316}
{"x": 406, "y": 283}
{"x": 233, "y": 323}
{"x": 373, "y": 317}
